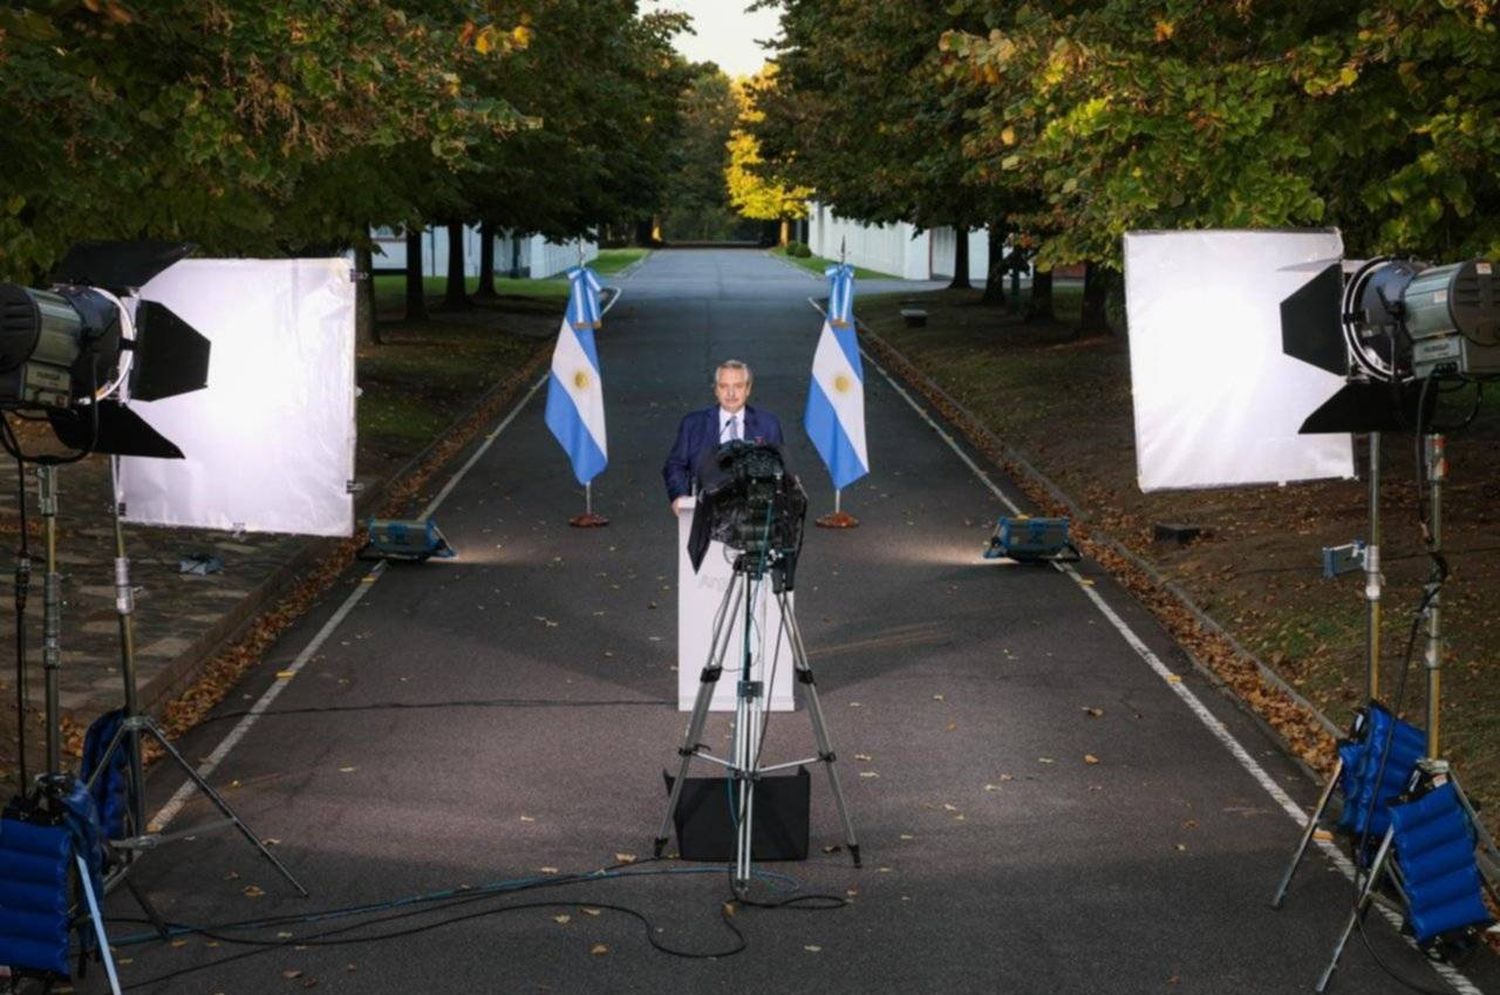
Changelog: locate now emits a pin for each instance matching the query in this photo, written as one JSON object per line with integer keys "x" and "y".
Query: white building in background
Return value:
{"x": 515, "y": 255}
{"x": 898, "y": 249}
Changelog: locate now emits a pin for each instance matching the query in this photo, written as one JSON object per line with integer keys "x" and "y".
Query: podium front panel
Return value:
{"x": 699, "y": 596}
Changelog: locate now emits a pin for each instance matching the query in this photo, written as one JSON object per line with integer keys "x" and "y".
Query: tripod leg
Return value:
{"x": 712, "y": 668}
{"x": 1307, "y": 835}
{"x": 98, "y": 921}
{"x": 221, "y": 804}
{"x": 1485, "y": 840}
{"x": 820, "y": 726}
{"x": 157, "y": 923}
{"x": 1377, "y": 867}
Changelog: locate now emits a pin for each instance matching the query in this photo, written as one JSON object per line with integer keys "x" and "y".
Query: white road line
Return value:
{"x": 1173, "y": 681}
{"x": 284, "y": 677}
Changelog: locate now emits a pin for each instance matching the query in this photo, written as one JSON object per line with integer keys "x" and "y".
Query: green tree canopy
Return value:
{"x": 241, "y": 126}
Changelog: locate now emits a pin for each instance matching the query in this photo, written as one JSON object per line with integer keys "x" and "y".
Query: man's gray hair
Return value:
{"x": 735, "y": 364}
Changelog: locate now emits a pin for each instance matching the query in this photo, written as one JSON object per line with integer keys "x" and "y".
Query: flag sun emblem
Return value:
{"x": 581, "y": 379}
{"x": 842, "y": 383}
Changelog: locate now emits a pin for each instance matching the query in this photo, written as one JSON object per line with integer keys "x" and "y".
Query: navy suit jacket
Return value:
{"x": 698, "y": 439}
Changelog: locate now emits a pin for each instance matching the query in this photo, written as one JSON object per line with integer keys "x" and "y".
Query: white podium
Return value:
{"x": 698, "y": 598}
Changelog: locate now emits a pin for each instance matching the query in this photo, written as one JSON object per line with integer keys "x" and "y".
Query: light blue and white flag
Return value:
{"x": 835, "y": 417}
{"x": 575, "y": 392}
{"x": 840, "y": 295}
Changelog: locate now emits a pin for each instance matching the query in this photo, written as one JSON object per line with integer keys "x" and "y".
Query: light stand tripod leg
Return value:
{"x": 149, "y": 727}
{"x": 96, "y": 917}
{"x": 712, "y": 668}
{"x": 1307, "y": 835}
{"x": 820, "y": 726}
{"x": 1377, "y": 867}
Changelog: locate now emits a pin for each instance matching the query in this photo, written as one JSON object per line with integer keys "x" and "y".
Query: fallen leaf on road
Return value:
{"x": 1174, "y": 679}
{"x": 1046, "y": 760}
{"x": 285, "y": 675}
{"x": 813, "y": 948}
{"x": 179, "y": 943}
{"x": 592, "y": 912}
{"x": 625, "y": 858}
{"x": 291, "y": 973}
{"x": 937, "y": 697}
{"x": 549, "y": 870}
{"x": 1089, "y": 758}
{"x": 599, "y": 950}
{"x": 863, "y": 756}
{"x": 347, "y": 770}
{"x": 952, "y": 726}
{"x": 563, "y": 919}
{"x": 868, "y": 773}
{"x": 527, "y": 818}
{"x": 1093, "y": 713}
{"x": 907, "y": 836}
{"x": 251, "y": 891}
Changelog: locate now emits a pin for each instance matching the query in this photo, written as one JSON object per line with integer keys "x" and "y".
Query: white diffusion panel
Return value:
{"x": 269, "y": 445}
{"x": 1217, "y": 403}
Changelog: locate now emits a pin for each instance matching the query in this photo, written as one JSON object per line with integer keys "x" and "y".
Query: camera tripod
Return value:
{"x": 750, "y": 570}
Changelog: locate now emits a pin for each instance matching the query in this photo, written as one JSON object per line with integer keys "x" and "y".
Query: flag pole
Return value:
{"x": 588, "y": 520}
{"x": 839, "y": 519}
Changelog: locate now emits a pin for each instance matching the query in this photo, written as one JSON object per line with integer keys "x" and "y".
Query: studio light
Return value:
{"x": 81, "y": 350}
{"x": 1390, "y": 325}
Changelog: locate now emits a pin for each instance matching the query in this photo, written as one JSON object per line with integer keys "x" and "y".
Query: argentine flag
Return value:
{"x": 575, "y": 394}
{"x": 835, "y": 417}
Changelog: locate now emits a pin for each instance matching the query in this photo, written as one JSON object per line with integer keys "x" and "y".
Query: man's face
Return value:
{"x": 732, "y": 388}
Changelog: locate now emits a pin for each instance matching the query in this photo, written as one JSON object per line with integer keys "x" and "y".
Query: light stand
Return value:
{"x": 135, "y": 723}
{"x": 22, "y": 592}
{"x": 1432, "y": 772}
{"x": 749, "y": 723}
{"x": 1373, "y": 584}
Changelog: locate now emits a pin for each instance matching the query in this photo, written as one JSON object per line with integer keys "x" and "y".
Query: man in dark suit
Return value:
{"x": 701, "y": 433}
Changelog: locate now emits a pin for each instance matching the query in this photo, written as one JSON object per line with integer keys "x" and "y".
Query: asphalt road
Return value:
{"x": 1040, "y": 810}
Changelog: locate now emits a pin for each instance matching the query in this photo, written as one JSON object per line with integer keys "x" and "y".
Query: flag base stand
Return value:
{"x": 838, "y": 518}
{"x": 588, "y": 520}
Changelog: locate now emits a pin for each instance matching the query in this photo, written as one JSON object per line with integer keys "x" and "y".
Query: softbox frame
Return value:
{"x": 1218, "y": 402}
{"x": 268, "y": 445}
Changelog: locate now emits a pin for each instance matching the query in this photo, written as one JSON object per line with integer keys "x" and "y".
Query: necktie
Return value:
{"x": 734, "y": 428}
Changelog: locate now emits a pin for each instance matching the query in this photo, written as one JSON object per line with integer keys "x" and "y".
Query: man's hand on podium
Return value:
{"x": 677, "y": 504}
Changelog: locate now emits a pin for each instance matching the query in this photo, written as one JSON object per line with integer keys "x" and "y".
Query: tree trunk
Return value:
{"x": 455, "y": 296}
{"x": 994, "y": 280}
{"x": 366, "y": 331}
{"x": 1097, "y": 283}
{"x": 1040, "y": 307}
{"x": 786, "y": 234}
{"x": 416, "y": 296}
{"x": 486, "y": 289}
{"x": 960, "y": 258}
